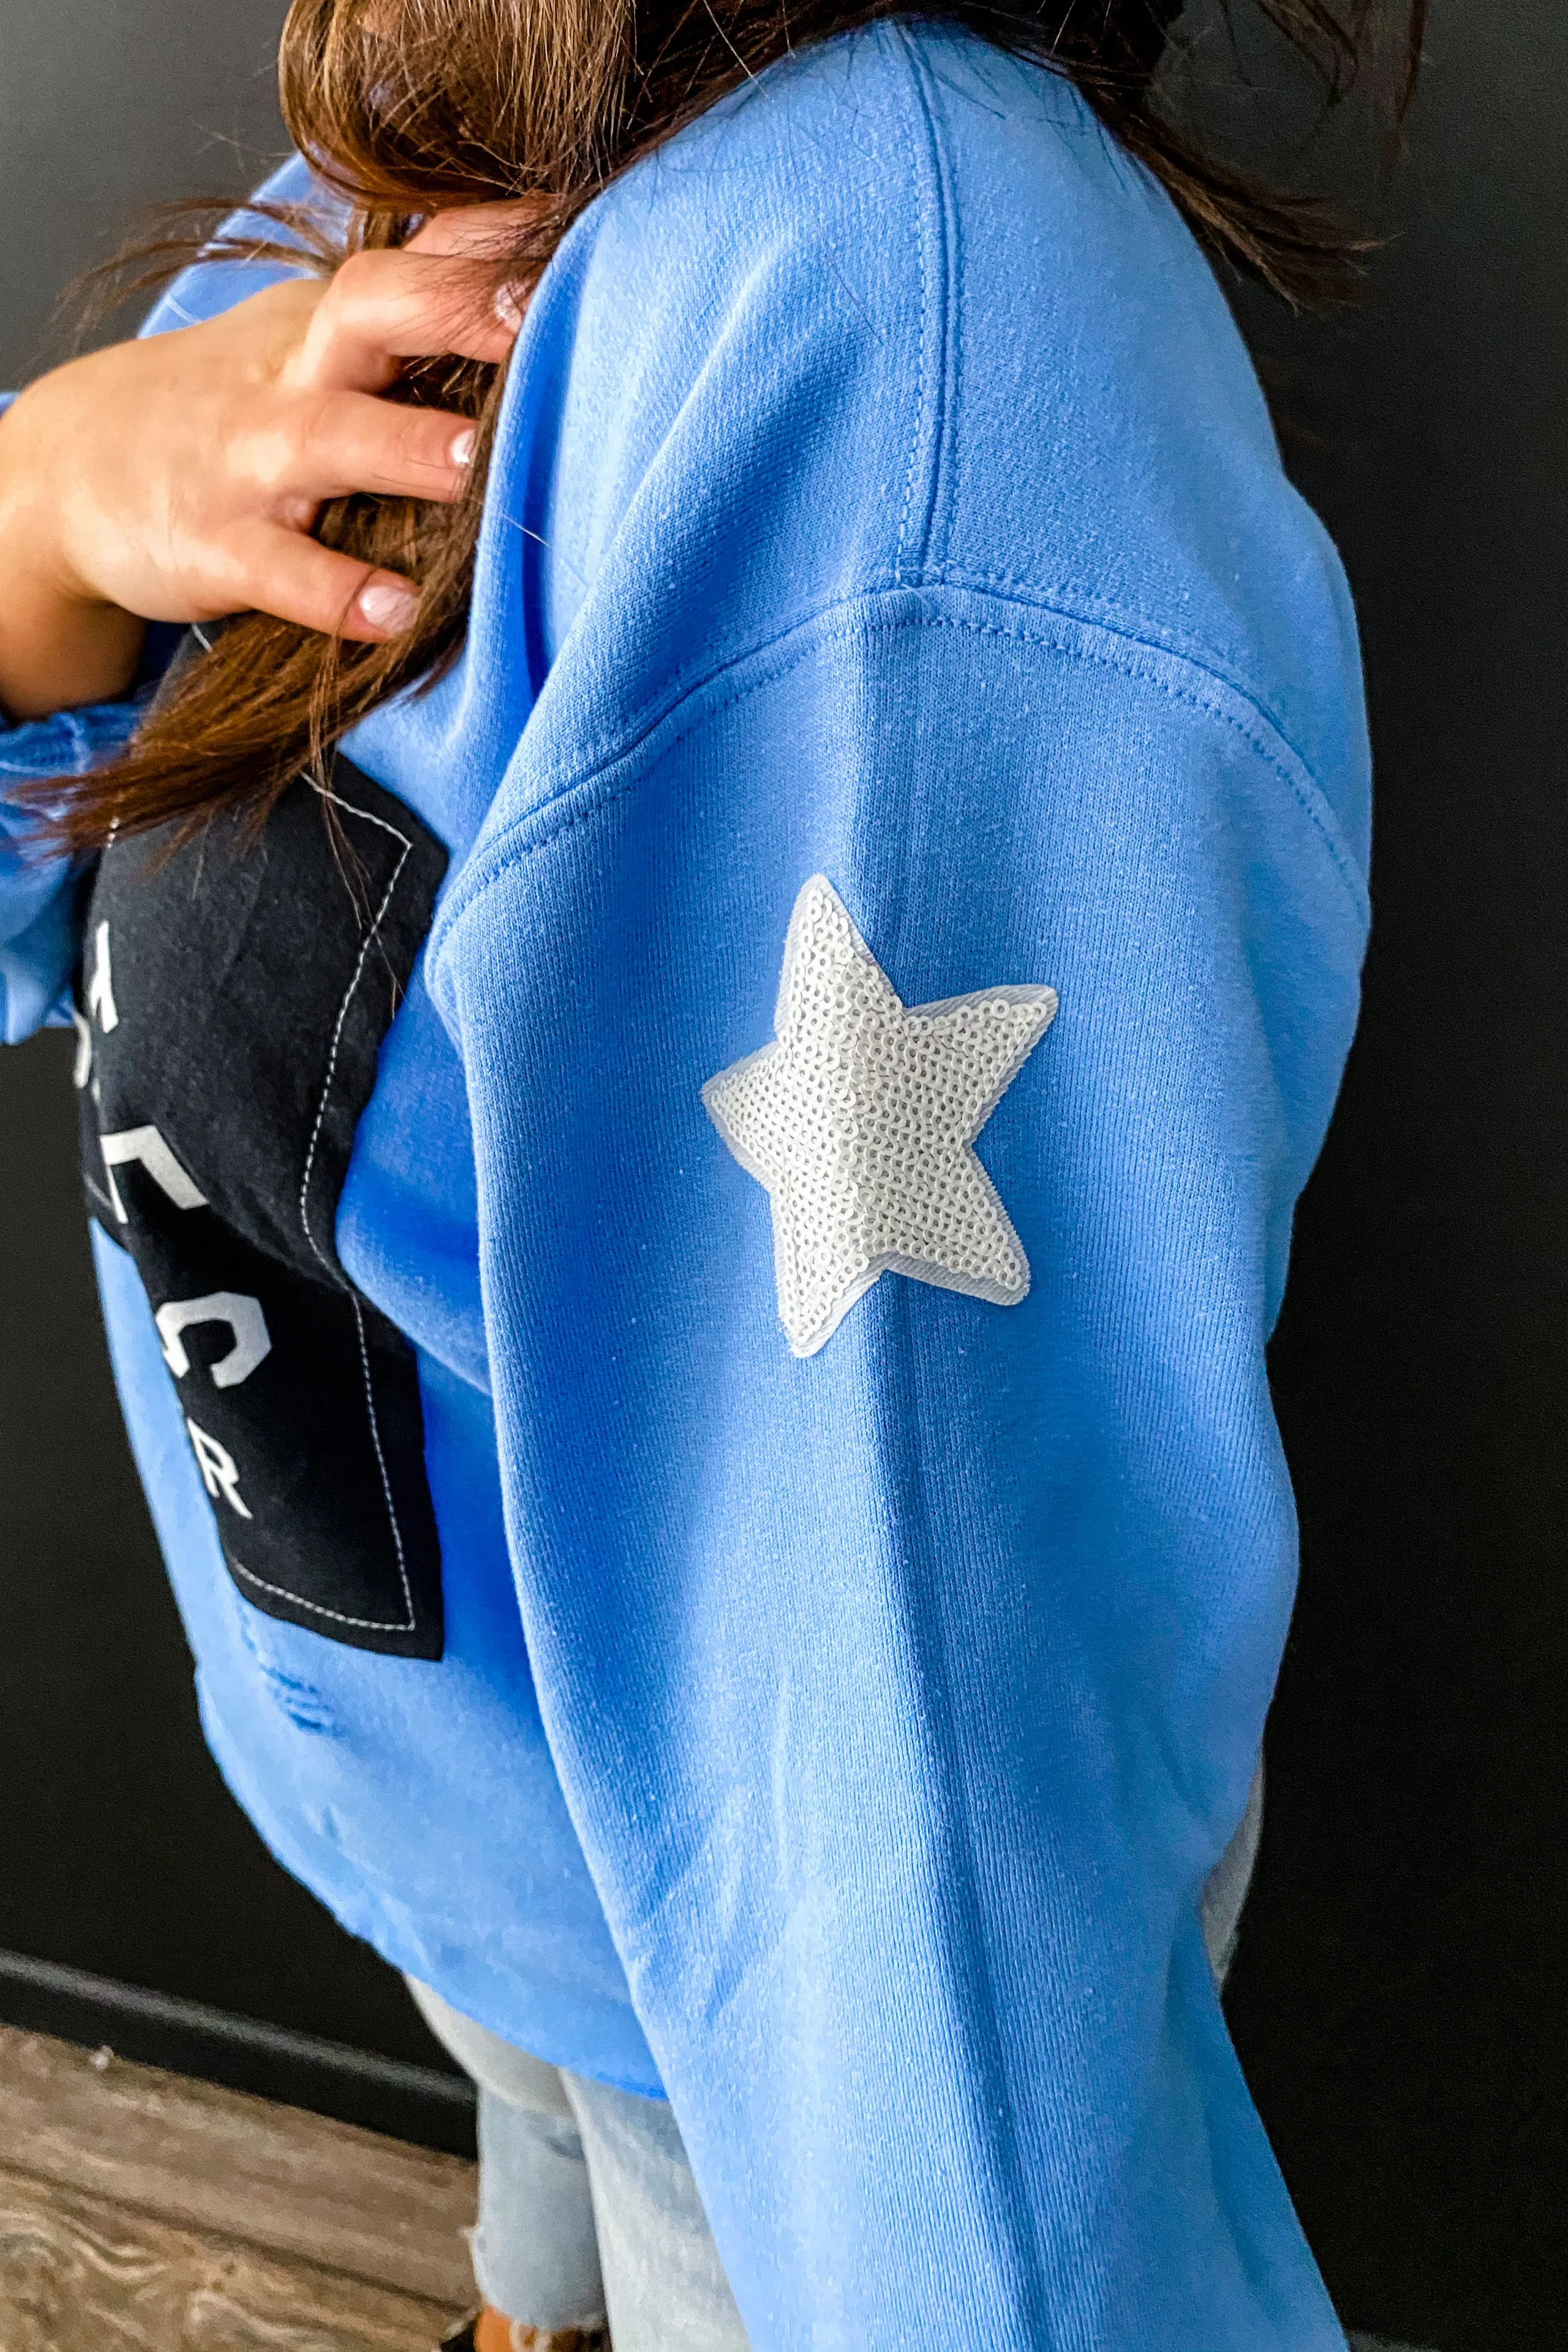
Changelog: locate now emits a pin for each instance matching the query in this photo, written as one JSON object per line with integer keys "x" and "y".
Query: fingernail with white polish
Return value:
{"x": 462, "y": 449}
{"x": 387, "y": 608}
{"x": 508, "y": 307}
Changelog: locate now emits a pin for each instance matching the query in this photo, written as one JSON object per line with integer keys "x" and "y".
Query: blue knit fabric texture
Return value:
{"x": 839, "y": 1745}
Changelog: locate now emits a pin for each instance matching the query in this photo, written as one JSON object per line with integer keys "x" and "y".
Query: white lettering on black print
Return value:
{"x": 309, "y": 1440}
{"x": 81, "y": 1069}
{"x": 252, "y": 1341}
{"x": 146, "y": 1145}
{"x": 100, "y": 988}
{"x": 220, "y": 1472}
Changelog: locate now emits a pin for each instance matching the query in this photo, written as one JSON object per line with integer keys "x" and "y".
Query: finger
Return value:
{"x": 488, "y": 231}
{"x": 355, "y": 442}
{"x": 384, "y": 308}
{"x": 270, "y": 570}
{"x": 485, "y": 232}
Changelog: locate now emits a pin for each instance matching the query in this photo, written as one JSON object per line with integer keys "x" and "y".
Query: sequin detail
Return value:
{"x": 860, "y": 1120}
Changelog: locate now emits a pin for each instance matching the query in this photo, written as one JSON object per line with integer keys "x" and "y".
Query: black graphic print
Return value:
{"x": 232, "y": 1000}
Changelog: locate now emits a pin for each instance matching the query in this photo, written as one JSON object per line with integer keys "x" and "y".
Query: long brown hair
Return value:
{"x": 409, "y": 107}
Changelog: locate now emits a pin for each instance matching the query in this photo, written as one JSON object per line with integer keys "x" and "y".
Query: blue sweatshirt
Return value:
{"x": 882, "y": 896}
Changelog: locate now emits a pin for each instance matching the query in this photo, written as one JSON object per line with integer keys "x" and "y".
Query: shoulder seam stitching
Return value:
{"x": 917, "y": 431}
{"x": 1263, "y": 740}
{"x": 943, "y": 391}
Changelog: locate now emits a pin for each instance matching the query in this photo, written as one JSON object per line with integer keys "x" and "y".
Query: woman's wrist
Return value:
{"x": 60, "y": 647}
{"x": 56, "y": 654}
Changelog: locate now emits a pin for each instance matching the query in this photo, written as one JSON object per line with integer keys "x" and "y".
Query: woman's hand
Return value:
{"x": 178, "y": 479}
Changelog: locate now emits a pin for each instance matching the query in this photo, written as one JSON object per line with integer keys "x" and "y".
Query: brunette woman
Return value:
{"x": 697, "y": 1028}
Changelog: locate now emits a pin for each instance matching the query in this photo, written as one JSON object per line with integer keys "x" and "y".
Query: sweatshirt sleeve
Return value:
{"x": 904, "y": 1537}
{"x": 38, "y": 893}
{"x": 901, "y": 1000}
{"x": 37, "y": 942}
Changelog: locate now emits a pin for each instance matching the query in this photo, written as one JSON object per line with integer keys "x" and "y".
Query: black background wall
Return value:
{"x": 1397, "y": 1998}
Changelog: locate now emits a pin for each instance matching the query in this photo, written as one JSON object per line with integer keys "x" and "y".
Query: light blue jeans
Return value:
{"x": 588, "y": 2210}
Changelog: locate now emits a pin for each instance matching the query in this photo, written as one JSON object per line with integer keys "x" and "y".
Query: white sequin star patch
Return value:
{"x": 860, "y": 1122}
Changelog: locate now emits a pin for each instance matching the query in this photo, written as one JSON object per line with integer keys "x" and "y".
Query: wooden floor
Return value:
{"x": 144, "y": 2213}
